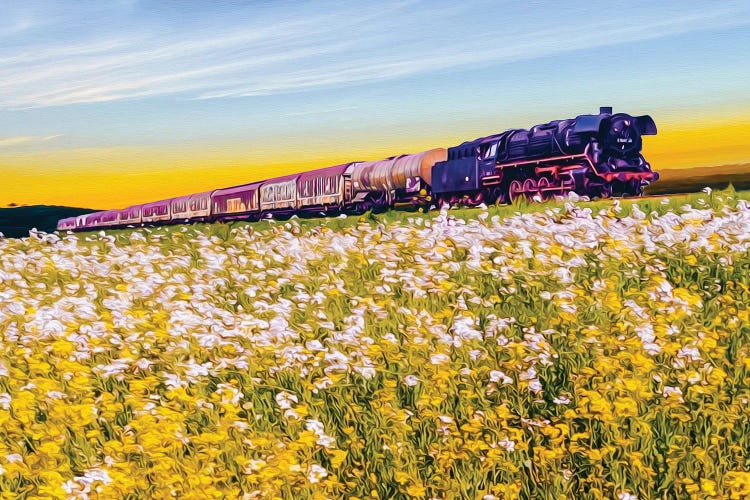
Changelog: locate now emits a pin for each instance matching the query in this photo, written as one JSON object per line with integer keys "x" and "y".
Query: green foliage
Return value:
{"x": 525, "y": 351}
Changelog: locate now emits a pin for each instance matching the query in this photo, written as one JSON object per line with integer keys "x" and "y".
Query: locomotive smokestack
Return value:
{"x": 605, "y": 110}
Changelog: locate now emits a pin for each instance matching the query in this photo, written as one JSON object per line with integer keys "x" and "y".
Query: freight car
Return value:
{"x": 594, "y": 155}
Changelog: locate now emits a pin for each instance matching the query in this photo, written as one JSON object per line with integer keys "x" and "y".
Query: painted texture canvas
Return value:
{"x": 382, "y": 250}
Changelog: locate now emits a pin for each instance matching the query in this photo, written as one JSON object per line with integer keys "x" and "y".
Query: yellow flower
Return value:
{"x": 338, "y": 457}
{"x": 308, "y": 438}
{"x": 416, "y": 490}
{"x": 708, "y": 486}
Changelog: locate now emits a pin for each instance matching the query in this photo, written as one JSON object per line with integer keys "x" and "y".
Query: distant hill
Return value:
{"x": 690, "y": 180}
{"x": 16, "y": 222}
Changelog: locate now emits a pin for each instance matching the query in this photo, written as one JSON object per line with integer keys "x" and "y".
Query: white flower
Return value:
{"x": 498, "y": 376}
{"x": 411, "y": 380}
{"x": 322, "y": 383}
{"x": 315, "y": 345}
{"x": 70, "y": 486}
{"x": 507, "y": 444}
{"x": 672, "y": 391}
{"x": 114, "y": 369}
{"x": 562, "y": 400}
{"x": 367, "y": 372}
{"x": 689, "y": 353}
{"x": 535, "y": 386}
{"x": 438, "y": 359}
{"x": 563, "y": 275}
{"x": 254, "y": 465}
{"x": 324, "y": 440}
{"x": 389, "y": 337}
{"x": 528, "y": 374}
{"x": 93, "y": 475}
{"x": 229, "y": 394}
{"x": 285, "y": 400}
{"x": 315, "y": 473}
{"x": 143, "y": 364}
{"x": 173, "y": 381}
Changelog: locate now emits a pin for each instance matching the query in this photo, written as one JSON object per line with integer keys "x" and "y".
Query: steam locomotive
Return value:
{"x": 593, "y": 155}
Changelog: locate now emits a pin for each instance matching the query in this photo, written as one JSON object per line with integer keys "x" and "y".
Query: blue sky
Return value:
{"x": 104, "y": 73}
{"x": 81, "y": 79}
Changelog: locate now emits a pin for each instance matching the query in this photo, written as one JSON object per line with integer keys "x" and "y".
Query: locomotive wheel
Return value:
{"x": 633, "y": 188}
{"x": 515, "y": 190}
{"x": 381, "y": 204}
{"x": 502, "y": 196}
{"x": 494, "y": 196}
{"x": 543, "y": 185}
{"x": 530, "y": 188}
{"x": 477, "y": 199}
{"x": 605, "y": 191}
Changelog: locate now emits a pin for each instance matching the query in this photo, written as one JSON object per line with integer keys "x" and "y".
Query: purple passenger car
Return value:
{"x": 156, "y": 211}
{"x": 130, "y": 216}
{"x": 279, "y": 194}
{"x": 236, "y": 202}
{"x": 322, "y": 188}
{"x": 81, "y": 221}
{"x": 191, "y": 207}
{"x": 66, "y": 224}
{"x": 93, "y": 220}
{"x": 109, "y": 218}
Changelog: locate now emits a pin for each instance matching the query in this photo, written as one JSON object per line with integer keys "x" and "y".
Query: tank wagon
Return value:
{"x": 594, "y": 155}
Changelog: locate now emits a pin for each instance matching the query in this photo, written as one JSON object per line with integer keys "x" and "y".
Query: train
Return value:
{"x": 595, "y": 155}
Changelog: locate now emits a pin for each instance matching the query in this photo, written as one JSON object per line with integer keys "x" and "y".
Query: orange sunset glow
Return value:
{"x": 117, "y": 177}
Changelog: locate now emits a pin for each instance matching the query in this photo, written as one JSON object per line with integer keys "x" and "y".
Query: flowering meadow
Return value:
{"x": 564, "y": 350}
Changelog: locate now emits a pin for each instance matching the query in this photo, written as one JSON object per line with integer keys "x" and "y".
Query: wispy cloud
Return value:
{"x": 294, "y": 50}
{"x": 322, "y": 111}
{"x": 9, "y": 142}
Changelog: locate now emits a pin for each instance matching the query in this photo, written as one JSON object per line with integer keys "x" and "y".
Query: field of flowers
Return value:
{"x": 561, "y": 351}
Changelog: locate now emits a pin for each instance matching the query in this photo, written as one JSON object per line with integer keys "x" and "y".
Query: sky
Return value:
{"x": 109, "y": 103}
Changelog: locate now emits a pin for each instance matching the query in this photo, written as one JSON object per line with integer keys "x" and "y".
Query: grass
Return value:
{"x": 584, "y": 350}
{"x": 648, "y": 205}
